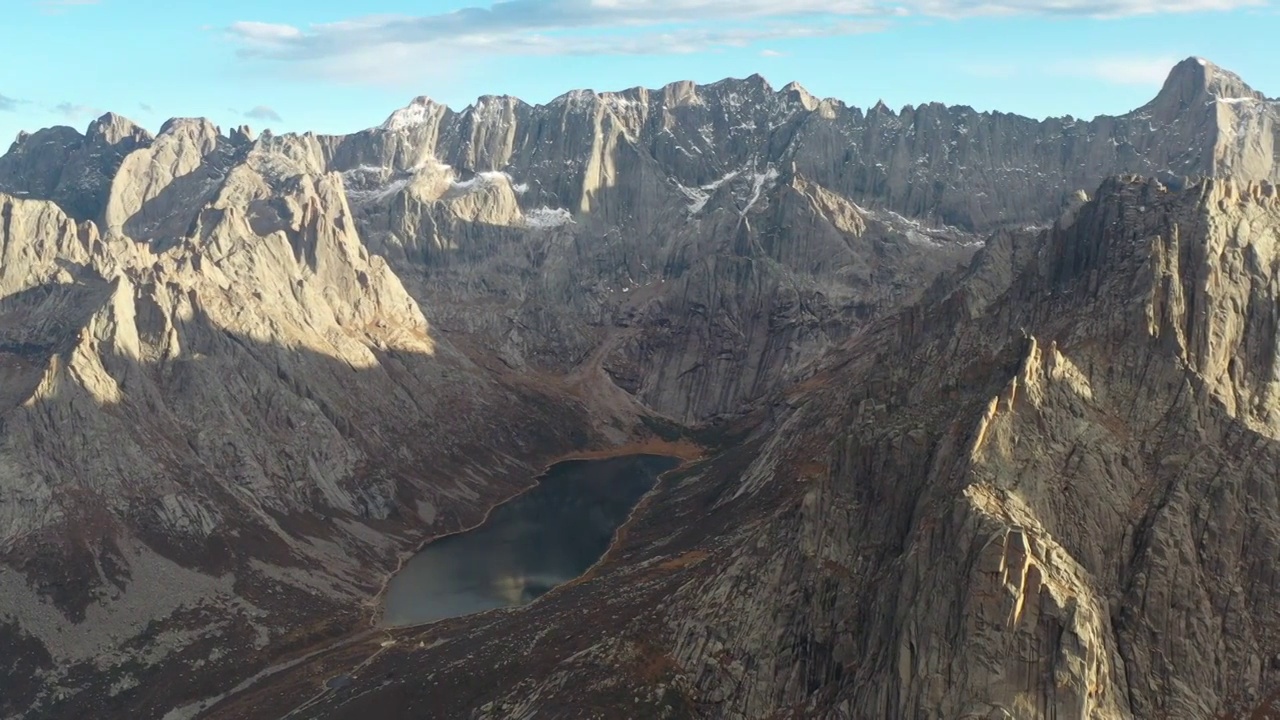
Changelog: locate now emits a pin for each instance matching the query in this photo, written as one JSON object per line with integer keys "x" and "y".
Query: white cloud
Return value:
{"x": 76, "y": 111}
{"x": 262, "y": 112}
{"x": 1150, "y": 71}
{"x": 266, "y": 34}
{"x": 771, "y": 53}
{"x": 1085, "y": 8}
{"x": 391, "y": 49}
{"x": 399, "y": 63}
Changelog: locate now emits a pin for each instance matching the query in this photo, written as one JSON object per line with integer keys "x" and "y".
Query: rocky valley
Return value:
{"x": 979, "y": 412}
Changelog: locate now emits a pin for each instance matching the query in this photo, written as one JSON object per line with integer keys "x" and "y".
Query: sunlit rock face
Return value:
{"x": 241, "y": 377}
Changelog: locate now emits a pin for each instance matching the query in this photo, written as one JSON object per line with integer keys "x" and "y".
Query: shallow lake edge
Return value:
{"x": 684, "y": 451}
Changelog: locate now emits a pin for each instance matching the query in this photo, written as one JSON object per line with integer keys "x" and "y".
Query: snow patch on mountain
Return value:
{"x": 698, "y": 196}
{"x": 544, "y": 218}
{"x": 758, "y": 182}
{"x": 480, "y": 181}
{"x": 368, "y": 183}
{"x": 416, "y": 113}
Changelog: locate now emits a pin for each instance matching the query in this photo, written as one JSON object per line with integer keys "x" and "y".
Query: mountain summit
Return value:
{"x": 1196, "y": 80}
{"x": 928, "y": 161}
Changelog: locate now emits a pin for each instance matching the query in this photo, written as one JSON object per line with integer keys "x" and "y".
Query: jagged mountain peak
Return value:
{"x": 55, "y": 134}
{"x": 759, "y": 81}
{"x": 698, "y": 133}
{"x": 502, "y": 99}
{"x": 1219, "y": 81}
{"x": 798, "y": 93}
{"x": 177, "y": 125}
{"x": 574, "y": 97}
{"x": 243, "y": 134}
{"x": 1199, "y": 80}
{"x": 486, "y": 105}
{"x": 416, "y": 113}
{"x": 113, "y": 129}
{"x": 682, "y": 92}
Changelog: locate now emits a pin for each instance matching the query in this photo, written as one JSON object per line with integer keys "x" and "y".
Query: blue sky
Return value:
{"x": 341, "y": 65}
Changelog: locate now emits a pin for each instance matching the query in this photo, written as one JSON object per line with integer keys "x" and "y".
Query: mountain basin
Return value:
{"x": 543, "y": 538}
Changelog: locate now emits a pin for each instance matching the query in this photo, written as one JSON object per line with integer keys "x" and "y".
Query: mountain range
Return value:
{"x": 980, "y": 411}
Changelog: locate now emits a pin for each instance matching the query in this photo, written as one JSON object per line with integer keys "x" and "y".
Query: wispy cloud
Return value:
{"x": 146, "y": 108}
{"x": 396, "y": 48}
{"x": 407, "y": 49}
{"x": 262, "y": 112}
{"x": 76, "y": 111}
{"x": 1143, "y": 70}
{"x": 1078, "y": 8}
{"x": 771, "y": 53}
{"x": 1122, "y": 70}
{"x": 8, "y": 104}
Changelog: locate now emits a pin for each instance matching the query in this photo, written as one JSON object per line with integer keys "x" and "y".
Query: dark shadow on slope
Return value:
{"x": 265, "y": 450}
{"x": 38, "y": 324}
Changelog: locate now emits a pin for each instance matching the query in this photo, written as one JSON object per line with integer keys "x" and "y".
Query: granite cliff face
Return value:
{"x": 440, "y": 192}
{"x": 242, "y": 376}
{"x": 585, "y": 151}
{"x": 1046, "y": 491}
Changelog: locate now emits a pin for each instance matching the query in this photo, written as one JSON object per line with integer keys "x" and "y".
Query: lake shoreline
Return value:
{"x": 683, "y": 450}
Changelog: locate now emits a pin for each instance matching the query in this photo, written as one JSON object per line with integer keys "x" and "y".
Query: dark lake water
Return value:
{"x": 548, "y": 536}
